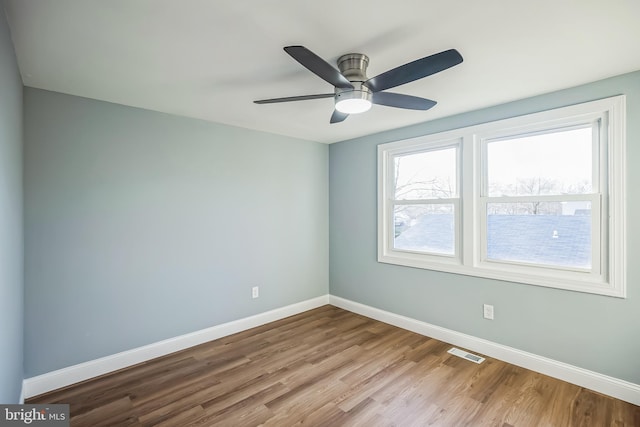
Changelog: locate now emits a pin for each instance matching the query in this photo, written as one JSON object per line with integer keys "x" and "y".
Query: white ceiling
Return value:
{"x": 210, "y": 59}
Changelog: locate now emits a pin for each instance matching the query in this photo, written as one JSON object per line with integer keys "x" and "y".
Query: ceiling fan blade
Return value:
{"x": 318, "y": 66}
{"x": 338, "y": 117}
{"x": 414, "y": 70}
{"x": 295, "y": 98}
{"x": 399, "y": 100}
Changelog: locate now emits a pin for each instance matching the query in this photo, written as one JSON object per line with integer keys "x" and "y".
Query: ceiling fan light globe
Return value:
{"x": 353, "y": 101}
{"x": 353, "y": 106}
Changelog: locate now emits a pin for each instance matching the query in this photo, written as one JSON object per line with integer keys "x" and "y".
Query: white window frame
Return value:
{"x": 608, "y": 273}
{"x": 455, "y": 201}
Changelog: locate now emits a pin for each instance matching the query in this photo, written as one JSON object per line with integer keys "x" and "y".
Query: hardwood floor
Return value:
{"x": 330, "y": 367}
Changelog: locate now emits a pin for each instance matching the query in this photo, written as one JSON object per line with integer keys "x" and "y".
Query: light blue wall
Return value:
{"x": 11, "y": 249}
{"x": 593, "y": 332}
{"x": 142, "y": 226}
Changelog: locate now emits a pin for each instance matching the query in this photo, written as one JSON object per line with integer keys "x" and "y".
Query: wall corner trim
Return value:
{"x": 610, "y": 386}
{"x": 83, "y": 371}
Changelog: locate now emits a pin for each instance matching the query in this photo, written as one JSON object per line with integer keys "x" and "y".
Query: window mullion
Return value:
{"x": 469, "y": 170}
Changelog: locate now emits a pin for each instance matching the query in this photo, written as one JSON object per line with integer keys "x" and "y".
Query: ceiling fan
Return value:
{"x": 355, "y": 93}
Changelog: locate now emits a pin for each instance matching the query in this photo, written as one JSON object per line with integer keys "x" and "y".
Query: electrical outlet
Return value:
{"x": 255, "y": 292}
{"x": 488, "y": 311}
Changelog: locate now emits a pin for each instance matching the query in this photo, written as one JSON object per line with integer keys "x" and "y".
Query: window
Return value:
{"x": 537, "y": 199}
{"x": 425, "y": 201}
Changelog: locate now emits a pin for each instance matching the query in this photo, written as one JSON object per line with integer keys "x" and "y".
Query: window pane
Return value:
{"x": 552, "y": 163}
{"x": 426, "y": 175}
{"x": 425, "y": 228}
{"x": 547, "y": 233}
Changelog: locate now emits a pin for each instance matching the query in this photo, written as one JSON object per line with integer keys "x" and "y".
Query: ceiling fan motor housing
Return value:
{"x": 354, "y": 67}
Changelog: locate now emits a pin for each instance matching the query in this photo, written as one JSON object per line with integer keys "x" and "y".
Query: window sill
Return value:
{"x": 499, "y": 272}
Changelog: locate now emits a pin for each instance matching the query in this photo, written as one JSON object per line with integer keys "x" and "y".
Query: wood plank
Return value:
{"x": 330, "y": 367}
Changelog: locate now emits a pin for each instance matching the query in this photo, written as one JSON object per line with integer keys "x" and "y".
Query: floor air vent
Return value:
{"x": 466, "y": 355}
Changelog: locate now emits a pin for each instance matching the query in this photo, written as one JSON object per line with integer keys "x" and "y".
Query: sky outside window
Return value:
{"x": 547, "y": 164}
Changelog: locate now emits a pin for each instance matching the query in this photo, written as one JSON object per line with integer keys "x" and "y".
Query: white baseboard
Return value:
{"x": 620, "y": 389}
{"x": 63, "y": 377}
{"x": 21, "y": 399}
{"x": 614, "y": 387}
